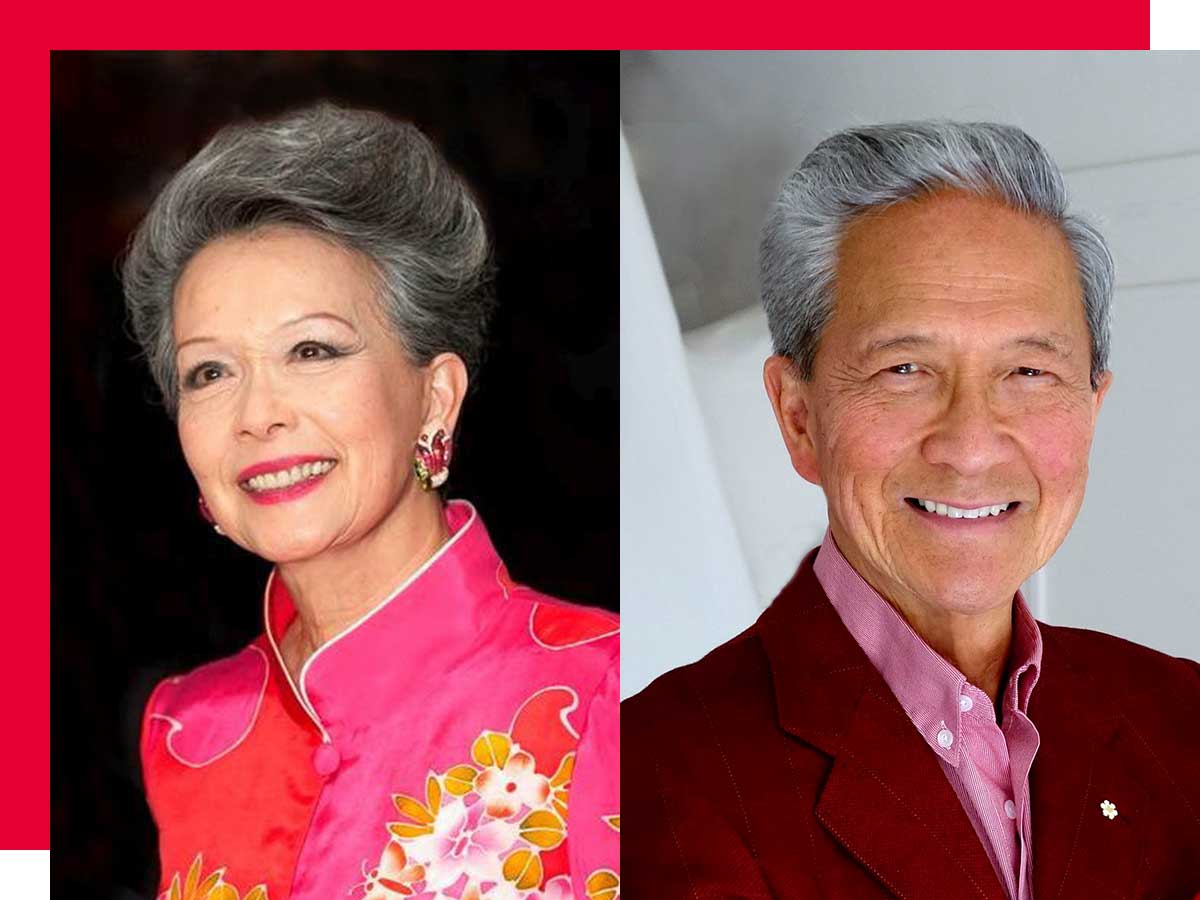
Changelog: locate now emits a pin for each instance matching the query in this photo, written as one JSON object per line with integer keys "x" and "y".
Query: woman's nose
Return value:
{"x": 969, "y": 436}
{"x": 264, "y": 407}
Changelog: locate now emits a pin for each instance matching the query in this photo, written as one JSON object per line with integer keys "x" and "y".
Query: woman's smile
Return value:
{"x": 288, "y": 478}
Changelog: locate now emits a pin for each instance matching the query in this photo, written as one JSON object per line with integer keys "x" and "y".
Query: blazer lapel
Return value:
{"x": 1086, "y": 757}
{"x": 886, "y": 800}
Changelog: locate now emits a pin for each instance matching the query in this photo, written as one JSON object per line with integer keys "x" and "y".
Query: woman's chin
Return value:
{"x": 287, "y": 548}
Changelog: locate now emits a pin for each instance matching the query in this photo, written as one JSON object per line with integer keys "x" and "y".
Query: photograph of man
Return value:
{"x": 897, "y": 723}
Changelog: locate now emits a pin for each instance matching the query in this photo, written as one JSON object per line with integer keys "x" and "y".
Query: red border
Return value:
{"x": 24, "y": 666}
{"x": 25, "y": 456}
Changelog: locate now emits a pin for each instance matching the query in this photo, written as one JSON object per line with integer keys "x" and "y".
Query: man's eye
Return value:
{"x": 905, "y": 369}
{"x": 1028, "y": 372}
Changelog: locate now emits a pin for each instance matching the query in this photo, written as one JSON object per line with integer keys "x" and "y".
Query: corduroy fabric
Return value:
{"x": 782, "y": 765}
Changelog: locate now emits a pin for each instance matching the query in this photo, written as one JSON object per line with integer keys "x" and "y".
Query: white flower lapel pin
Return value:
{"x": 1108, "y": 809}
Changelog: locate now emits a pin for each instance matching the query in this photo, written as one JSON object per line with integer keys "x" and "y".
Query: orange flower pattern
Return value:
{"x": 481, "y": 829}
{"x": 211, "y": 887}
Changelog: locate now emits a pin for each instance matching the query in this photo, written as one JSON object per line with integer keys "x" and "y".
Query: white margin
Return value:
{"x": 25, "y": 874}
{"x": 1174, "y": 25}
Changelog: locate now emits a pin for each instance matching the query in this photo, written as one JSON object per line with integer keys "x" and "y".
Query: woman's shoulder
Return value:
{"x": 559, "y": 625}
{"x": 203, "y": 714}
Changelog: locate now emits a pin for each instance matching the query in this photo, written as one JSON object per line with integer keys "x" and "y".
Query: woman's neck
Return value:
{"x": 337, "y": 588}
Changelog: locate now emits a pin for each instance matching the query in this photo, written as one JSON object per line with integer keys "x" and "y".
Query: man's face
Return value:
{"x": 955, "y": 369}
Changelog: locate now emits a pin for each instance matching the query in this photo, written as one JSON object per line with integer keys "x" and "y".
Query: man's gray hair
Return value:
{"x": 871, "y": 167}
{"x": 359, "y": 178}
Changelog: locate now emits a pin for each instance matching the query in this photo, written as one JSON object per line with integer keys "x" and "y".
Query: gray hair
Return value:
{"x": 870, "y": 167}
{"x": 359, "y": 178}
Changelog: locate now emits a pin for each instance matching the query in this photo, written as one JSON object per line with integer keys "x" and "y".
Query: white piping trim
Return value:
{"x": 300, "y": 690}
{"x": 177, "y": 726}
{"x": 580, "y": 643}
{"x": 563, "y": 713}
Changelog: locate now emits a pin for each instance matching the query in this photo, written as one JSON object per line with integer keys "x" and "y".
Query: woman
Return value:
{"x": 312, "y": 296}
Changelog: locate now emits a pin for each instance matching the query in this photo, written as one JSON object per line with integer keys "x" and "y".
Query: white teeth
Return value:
{"x": 287, "y": 477}
{"x": 953, "y": 512}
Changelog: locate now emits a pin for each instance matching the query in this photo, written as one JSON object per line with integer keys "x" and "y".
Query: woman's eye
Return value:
{"x": 315, "y": 350}
{"x": 202, "y": 374}
{"x": 904, "y": 369}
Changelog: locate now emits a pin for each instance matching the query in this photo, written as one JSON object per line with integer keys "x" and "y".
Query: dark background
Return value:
{"x": 141, "y": 587}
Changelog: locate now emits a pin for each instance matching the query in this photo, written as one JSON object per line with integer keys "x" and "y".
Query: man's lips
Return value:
{"x": 976, "y": 511}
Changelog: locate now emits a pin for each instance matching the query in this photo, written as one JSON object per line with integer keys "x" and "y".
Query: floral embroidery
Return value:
{"x": 493, "y": 828}
{"x": 603, "y": 884}
{"x": 212, "y": 887}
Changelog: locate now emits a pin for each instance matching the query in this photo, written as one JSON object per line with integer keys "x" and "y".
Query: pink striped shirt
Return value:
{"x": 986, "y": 763}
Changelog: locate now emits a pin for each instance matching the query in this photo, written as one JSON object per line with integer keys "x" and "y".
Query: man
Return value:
{"x": 896, "y": 724}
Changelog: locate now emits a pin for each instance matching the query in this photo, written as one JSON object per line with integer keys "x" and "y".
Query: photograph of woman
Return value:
{"x": 312, "y": 293}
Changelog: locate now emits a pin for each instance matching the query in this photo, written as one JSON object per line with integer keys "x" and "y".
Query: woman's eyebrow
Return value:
{"x": 317, "y": 315}
{"x": 288, "y": 324}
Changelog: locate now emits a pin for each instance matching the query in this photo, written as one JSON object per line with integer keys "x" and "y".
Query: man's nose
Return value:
{"x": 969, "y": 436}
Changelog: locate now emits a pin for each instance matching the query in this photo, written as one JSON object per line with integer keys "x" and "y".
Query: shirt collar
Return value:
{"x": 928, "y": 687}
{"x": 434, "y": 613}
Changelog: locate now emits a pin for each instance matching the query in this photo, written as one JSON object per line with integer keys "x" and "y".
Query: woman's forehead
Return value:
{"x": 259, "y": 282}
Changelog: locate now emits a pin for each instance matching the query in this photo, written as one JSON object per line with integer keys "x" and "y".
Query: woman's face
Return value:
{"x": 298, "y": 406}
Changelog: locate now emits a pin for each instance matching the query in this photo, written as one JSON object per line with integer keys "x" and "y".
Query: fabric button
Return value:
{"x": 326, "y": 759}
{"x": 1010, "y": 809}
{"x": 965, "y": 703}
{"x": 945, "y": 737}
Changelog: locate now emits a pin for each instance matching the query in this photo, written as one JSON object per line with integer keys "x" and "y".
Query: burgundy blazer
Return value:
{"x": 781, "y": 765}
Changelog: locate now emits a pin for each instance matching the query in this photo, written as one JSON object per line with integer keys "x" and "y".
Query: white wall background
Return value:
{"x": 711, "y": 137}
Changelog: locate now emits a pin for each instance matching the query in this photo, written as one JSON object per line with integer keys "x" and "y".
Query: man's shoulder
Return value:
{"x": 1107, "y": 656}
{"x": 1155, "y": 690}
{"x": 731, "y": 675}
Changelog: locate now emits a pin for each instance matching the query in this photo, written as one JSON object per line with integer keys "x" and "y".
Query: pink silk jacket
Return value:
{"x": 461, "y": 740}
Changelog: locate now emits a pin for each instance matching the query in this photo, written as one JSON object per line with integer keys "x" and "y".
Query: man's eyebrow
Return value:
{"x": 1051, "y": 342}
{"x": 1057, "y": 344}
{"x": 899, "y": 342}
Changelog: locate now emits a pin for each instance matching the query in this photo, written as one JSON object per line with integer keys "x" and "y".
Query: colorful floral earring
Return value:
{"x": 431, "y": 459}
{"x": 208, "y": 516}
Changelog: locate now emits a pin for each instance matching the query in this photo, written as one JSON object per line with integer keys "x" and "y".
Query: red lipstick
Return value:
{"x": 267, "y": 496}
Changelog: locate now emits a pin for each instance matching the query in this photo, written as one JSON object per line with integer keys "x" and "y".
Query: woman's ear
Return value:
{"x": 446, "y": 383}
{"x": 791, "y": 399}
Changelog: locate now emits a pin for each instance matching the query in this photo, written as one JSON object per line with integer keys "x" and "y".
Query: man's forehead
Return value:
{"x": 871, "y": 341}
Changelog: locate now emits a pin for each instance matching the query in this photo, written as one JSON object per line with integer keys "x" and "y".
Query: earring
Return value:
{"x": 208, "y": 516}
{"x": 431, "y": 460}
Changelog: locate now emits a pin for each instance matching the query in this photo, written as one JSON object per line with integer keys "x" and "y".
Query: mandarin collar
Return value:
{"x": 425, "y": 624}
{"x": 928, "y": 687}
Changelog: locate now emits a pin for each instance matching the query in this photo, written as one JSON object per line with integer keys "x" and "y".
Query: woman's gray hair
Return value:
{"x": 359, "y": 178}
{"x": 871, "y": 167}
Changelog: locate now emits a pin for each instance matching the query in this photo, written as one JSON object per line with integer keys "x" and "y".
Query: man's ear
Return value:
{"x": 791, "y": 399}
{"x": 1102, "y": 386}
{"x": 445, "y": 386}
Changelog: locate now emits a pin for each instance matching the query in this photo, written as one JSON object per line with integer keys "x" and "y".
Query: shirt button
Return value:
{"x": 326, "y": 759}
{"x": 945, "y": 737}
{"x": 1010, "y": 809}
{"x": 965, "y": 703}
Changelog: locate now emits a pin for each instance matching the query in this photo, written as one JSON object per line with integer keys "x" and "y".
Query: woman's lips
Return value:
{"x": 294, "y": 482}
{"x": 278, "y": 465}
